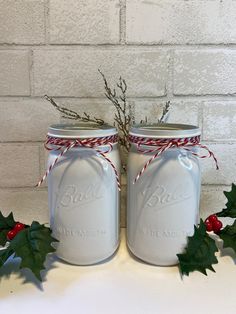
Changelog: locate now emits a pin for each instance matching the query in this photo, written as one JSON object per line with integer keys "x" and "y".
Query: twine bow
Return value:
{"x": 55, "y": 144}
{"x": 162, "y": 145}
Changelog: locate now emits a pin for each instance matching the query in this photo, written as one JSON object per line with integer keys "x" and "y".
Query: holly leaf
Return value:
{"x": 4, "y": 255}
{"x": 200, "y": 252}
{"x": 6, "y": 224}
{"x": 32, "y": 245}
{"x": 230, "y": 210}
{"x": 3, "y": 237}
{"x": 228, "y": 235}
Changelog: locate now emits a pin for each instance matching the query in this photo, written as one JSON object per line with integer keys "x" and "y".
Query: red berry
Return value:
{"x": 217, "y": 226}
{"x": 19, "y": 226}
{"x": 212, "y": 218}
{"x": 208, "y": 225}
{"x": 11, "y": 234}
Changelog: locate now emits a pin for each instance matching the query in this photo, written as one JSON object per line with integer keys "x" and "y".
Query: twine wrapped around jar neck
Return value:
{"x": 64, "y": 145}
{"x": 162, "y": 145}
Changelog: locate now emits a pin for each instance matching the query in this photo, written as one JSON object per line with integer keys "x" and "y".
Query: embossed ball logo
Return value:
{"x": 160, "y": 196}
{"x": 73, "y": 194}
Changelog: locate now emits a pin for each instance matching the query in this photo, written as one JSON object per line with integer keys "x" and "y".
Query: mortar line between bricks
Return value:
{"x": 31, "y": 78}
{"x": 201, "y": 118}
{"x": 25, "y": 188}
{"x": 122, "y": 22}
{"x": 218, "y": 141}
{"x": 169, "y": 84}
{"x": 205, "y": 96}
{"x": 76, "y": 97}
{"x": 46, "y": 21}
{"x": 39, "y": 163}
{"x": 35, "y": 97}
{"x": 161, "y": 97}
{"x": 185, "y": 45}
{"x": 181, "y": 97}
{"x": 23, "y": 143}
{"x": 75, "y": 47}
{"x": 213, "y": 97}
{"x": 203, "y": 185}
{"x": 45, "y": 188}
{"x": 6, "y": 46}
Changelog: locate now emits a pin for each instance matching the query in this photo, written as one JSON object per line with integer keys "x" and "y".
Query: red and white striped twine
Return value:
{"x": 53, "y": 143}
{"x": 161, "y": 145}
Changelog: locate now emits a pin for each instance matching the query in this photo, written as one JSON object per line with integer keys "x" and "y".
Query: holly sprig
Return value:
{"x": 230, "y": 210}
{"x": 6, "y": 225}
{"x": 200, "y": 252}
{"x": 32, "y": 243}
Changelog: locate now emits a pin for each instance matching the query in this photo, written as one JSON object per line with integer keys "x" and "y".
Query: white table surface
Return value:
{"x": 121, "y": 285}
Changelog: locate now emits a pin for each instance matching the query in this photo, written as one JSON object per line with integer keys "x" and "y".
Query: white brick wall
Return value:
{"x": 25, "y": 120}
{"x": 84, "y": 21}
{"x": 14, "y": 73}
{"x": 227, "y": 162}
{"x": 28, "y": 205}
{"x": 205, "y": 72}
{"x": 74, "y": 72}
{"x": 181, "y": 21}
{"x": 177, "y": 50}
{"x": 153, "y": 109}
{"x": 19, "y": 165}
{"x": 219, "y": 120}
{"x": 22, "y": 22}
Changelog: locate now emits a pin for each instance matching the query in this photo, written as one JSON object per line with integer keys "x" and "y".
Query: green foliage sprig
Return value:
{"x": 200, "y": 252}
{"x": 32, "y": 244}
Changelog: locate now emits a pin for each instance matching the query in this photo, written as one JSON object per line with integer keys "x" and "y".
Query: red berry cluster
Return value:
{"x": 17, "y": 228}
{"x": 212, "y": 223}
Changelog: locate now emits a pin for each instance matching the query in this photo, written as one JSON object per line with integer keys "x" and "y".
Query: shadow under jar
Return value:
{"x": 83, "y": 191}
{"x": 163, "y": 191}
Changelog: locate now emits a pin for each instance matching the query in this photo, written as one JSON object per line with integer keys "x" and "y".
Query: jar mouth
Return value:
{"x": 165, "y": 130}
{"x": 81, "y": 130}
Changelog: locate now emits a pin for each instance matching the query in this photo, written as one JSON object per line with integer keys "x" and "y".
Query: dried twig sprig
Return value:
{"x": 165, "y": 112}
{"x": 145, "y": 121}
{"x": 73, "y": 115}
{"x": 122, "y": 116}
{"x": 164, "y": 116}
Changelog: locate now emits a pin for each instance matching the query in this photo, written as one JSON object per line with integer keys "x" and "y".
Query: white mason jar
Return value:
{"x": 163, "y": 203}
{"x": 83, "y": 191}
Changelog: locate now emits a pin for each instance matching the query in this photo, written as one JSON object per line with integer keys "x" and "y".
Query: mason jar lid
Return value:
{"x": 165, "y": 130}
{"x": 81, "y": 130}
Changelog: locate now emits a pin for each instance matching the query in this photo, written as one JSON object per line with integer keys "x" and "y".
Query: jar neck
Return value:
{"x": 54, "y": 143}
{"x": 103, "y": 148}
{"x": 161, "y": 142}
